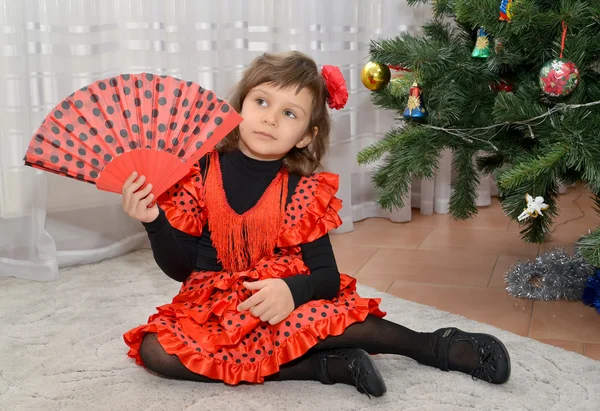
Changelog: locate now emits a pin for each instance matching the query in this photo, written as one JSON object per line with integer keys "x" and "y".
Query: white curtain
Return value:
{"x": 50, "y": 48}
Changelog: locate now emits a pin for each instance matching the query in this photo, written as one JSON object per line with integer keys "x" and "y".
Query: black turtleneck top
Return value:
{"x": 178, "y": 254}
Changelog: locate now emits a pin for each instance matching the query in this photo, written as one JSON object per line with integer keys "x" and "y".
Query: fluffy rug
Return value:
{"x": 62, "y": 349}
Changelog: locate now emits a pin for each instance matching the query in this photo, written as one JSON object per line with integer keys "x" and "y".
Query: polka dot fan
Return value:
{"x": 156, "y": 125}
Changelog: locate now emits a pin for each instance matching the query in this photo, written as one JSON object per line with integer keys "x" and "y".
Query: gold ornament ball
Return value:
{"x": 375, "y": 76}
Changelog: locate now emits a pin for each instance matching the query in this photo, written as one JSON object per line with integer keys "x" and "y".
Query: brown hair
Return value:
{"x": 287, "y": 69}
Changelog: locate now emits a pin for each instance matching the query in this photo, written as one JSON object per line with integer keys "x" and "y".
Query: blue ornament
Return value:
{"x": 415, "y": 109}
{"x": 591, "y": 292}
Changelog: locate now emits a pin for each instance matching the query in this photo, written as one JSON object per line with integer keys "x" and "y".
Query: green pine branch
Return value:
{"x": 416, "y": 53}
{"x": 518, "y": 106}
{"x": 489, "y": 163}
{"x": 463, "y": 198}
{"x": 536, "y": 176}
{"x": 539, "y": 168}
{"x": 411, "y": 153}
{"x": 533, "y": 230}
{"x": 589, "y": 247}
{"x": 529, "y": 156}
{"x": 375, "y": 151}
{"x": 580, "y": 131}
{"x": 570, "y": 176}
{"x": 438, "y": 31}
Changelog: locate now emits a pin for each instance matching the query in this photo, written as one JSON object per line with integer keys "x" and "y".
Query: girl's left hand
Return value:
{"x": 272, "y": 303}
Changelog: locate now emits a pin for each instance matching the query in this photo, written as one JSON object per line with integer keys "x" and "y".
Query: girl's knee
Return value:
{"x": 151, "y": 352}
{"x": 157, "y": 360}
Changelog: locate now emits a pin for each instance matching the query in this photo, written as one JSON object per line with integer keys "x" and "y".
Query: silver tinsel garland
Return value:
{"x": 554, "y": 275}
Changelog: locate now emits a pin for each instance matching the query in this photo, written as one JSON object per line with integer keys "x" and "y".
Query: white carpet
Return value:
{"x": 61, "y": 348}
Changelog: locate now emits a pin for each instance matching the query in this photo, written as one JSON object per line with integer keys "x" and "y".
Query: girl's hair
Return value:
{"x": 287, "y": 69}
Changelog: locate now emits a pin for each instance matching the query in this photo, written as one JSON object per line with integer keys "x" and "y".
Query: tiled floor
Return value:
{"x": 458, "y": 266}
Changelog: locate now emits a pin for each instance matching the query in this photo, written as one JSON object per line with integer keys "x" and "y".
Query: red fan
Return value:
{"x": 156, "y": 125}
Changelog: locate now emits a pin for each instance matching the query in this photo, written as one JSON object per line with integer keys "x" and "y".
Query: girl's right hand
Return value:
{"x": 135, "y": 203}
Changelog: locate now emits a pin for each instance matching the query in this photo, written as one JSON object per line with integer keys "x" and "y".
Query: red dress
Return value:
{"x": 202, "y": 325}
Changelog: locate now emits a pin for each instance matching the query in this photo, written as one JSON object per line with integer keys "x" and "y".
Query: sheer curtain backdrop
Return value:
{"x": 50, "y": 48}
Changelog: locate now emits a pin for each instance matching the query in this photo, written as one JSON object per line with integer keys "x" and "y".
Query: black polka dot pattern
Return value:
{"x": 182, "y": 197}
{"x": 202, "y": 320}
{"x": 104, "y": 120}
{"x": 301, "y": 200}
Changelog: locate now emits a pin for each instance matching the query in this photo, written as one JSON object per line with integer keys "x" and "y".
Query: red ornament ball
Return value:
{"x": 559, "y": 77}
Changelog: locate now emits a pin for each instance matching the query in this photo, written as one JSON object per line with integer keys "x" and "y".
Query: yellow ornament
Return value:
{"x": 413, "y": 102}
{"x": 482, "y": 43}
{"x": 375, "y": 76}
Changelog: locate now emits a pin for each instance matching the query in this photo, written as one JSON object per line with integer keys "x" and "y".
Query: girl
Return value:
{"x": 246, "y": 233}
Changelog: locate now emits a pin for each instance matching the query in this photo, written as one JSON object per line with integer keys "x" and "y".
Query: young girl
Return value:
{"x": 246, "y": 233}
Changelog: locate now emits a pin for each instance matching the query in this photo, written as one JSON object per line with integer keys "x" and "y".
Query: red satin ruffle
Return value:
{"x": 180, "y": 216}
{"x": 320, "y": 217}
{"x": 182, "y": 332}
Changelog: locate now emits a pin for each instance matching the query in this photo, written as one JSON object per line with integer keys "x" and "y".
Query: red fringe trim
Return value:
{"x": 320, "y": 218}
{"x": 241, "y": 240}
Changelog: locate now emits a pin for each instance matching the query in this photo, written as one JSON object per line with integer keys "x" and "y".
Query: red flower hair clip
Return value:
{"x": 337, "y": 93}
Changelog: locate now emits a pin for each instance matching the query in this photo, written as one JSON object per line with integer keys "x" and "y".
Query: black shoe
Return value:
{"x": 360, "y": 366}
{"x": 494, "y": 361}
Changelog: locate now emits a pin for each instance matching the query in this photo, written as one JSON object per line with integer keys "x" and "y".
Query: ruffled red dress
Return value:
{"x": 202, "y": 325}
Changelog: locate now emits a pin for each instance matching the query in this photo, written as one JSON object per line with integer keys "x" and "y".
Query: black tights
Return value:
{"x": 374, "y": 335}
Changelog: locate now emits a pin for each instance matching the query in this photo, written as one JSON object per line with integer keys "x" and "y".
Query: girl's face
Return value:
{"x": 275, "y": 121}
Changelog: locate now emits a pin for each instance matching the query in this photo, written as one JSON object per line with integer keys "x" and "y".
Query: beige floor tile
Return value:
{"x": 592, "y": 351}
{"x": 478, "y": 241}
{"x": 381, "y": 284}
{"x": 488, "y": 305}
{"x": 430, "y": 266}
{"x": 567, "y": 235}
{"x": 576, "y": 196}
{"x": 488, "y": 218}
{"x": 381, "y": 233}
{"x": 350, "y": 259}
{"x": 514, "y": 227}
{"x": 565, "y": 320}
{"x": 504, "y": 263}
{"x": 567, "y": 215}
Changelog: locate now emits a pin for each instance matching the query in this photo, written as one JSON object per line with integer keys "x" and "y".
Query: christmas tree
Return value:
{"x": 512, "y": 88}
